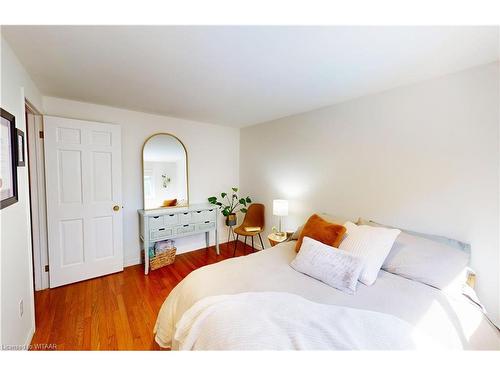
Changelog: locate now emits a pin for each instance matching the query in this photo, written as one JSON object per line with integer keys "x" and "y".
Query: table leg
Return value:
{"x": 146, "y": 257}
{"x": 217, "y": 242}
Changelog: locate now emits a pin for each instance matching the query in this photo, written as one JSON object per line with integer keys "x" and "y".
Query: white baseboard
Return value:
{"x": 27, "y": 343}
{"x": 137, "y": 260}
{"x": 131, "y": 262}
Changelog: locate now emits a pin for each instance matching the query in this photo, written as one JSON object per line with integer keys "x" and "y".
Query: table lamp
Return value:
{"x": 280, "y": 209}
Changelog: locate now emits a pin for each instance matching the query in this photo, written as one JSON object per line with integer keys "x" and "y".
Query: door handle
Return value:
{"x": 116, "y": 208}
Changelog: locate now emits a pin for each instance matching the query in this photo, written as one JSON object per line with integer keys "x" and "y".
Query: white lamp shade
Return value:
{"x": 280, "y": 207}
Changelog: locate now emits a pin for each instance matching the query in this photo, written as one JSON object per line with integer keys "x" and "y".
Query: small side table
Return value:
{"x": 275, "y": 239}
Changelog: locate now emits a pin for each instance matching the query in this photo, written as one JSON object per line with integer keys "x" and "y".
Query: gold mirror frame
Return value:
{"x": 187, "y": 174}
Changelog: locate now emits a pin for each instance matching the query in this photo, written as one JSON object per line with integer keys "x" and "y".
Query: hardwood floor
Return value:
{"x": 114, "y": 312}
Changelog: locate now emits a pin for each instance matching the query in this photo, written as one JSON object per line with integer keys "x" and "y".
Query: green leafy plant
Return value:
{"x": 231, "y": 203}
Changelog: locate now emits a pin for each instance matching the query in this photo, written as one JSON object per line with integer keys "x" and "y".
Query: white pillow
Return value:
{"x": 371, "y": 244}
{"x": 330, "y": 265}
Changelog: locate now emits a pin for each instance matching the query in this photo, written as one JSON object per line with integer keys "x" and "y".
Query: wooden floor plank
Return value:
{"x": 114, "y": 312}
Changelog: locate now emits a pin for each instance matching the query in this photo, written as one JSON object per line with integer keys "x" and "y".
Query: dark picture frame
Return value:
{"x": 8, "y": 162}
{"x": 20, "y": 142}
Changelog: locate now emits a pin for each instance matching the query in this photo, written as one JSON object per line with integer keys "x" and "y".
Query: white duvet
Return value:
{"x": 449, "y": 321}
{"x": 284, "y": 321}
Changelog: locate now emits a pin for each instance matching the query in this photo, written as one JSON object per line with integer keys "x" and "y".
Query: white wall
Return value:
{"x": 213, "y": 154}
{"x": 15, "y": 255}
{"x": 422, "y": 157}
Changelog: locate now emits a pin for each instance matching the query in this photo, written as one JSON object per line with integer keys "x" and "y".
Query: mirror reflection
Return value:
{"x": 164, "y": 172}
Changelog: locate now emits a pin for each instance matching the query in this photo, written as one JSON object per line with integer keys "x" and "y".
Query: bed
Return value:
{"x": 451, "y": 321}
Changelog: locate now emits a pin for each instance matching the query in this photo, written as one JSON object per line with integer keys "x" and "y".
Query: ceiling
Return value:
{"x": 240, "y": 75}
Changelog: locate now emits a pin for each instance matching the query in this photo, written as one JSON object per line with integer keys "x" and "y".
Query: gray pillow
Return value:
{"x": 462, "y": 246}
{"x": 439, "y": 263}
{"x": 332, "y": 266}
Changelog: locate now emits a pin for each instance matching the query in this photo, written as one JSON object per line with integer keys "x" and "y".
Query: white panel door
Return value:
{"x": 84, "y": 197}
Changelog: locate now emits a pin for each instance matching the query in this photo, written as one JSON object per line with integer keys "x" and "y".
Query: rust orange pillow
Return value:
{"x": 321, "y": 230}
{"x": 169, "y": 203}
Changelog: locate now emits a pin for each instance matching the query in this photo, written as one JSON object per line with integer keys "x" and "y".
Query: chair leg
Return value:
{"x": 235, "y": 244}
{"x": 261, "y": 243}
{"x": 253, "y": 248}
{"x": 245, "y": 248}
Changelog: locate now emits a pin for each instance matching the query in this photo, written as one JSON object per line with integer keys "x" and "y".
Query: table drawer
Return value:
{"x": 210, "y": 215}
{"x": 186, "y": 228}
{"x": 159, "y": 233}
{"x": 156, "y": 222}
{"x": 205, "y": 226}
{"x": 185, "y": 218}
{"x": 171, "y": 219}
{"x": 198, "y": 216}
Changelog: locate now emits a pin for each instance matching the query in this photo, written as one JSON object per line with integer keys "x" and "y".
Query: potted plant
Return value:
{"x": 233, "y": 205}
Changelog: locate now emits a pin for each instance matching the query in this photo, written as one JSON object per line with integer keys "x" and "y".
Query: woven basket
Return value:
{"x": 162, "y": 259}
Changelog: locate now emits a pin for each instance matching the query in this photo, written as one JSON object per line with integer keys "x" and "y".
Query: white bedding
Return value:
{"x": 451, "y": 321}
{"x": 284, "y": 321}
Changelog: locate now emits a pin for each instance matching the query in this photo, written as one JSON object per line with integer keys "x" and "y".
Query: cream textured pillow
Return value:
{"x": 330, "y": 265}
{"x": 371, "y": 244}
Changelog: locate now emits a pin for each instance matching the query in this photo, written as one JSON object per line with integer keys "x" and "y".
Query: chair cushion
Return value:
{"x": 242, "y": 231}
{"x": 319, "y": 229}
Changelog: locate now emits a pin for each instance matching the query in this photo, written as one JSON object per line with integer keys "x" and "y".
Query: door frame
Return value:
{"x": 38, "y": 205}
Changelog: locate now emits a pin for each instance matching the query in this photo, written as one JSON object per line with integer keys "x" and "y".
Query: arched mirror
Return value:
{"x": 165, "y": 172}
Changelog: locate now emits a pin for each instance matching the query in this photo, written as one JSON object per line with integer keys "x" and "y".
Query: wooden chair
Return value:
{"x": 253, "y": 218}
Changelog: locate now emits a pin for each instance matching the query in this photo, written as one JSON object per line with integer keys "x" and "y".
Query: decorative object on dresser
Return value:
{"x": 280, "y": 209}
{"x": 8, "y": 172}
{"x": 253, "y": 225}
{"x": 165, "y": 172}
{"x": 169, "y": 223}
{"x": 230, "y": 208}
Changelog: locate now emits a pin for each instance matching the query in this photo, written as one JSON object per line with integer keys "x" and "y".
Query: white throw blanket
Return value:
{"x": 284, "y": 321}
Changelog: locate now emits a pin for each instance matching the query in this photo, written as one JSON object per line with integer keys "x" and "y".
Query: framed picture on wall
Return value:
{"x": 8, "y": 159}
{"x": 20, "y": 148}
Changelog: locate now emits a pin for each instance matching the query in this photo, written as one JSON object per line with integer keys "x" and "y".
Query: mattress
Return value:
{"x": 454, "y": 321}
